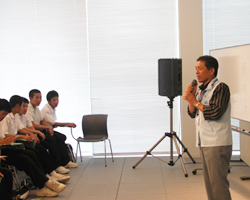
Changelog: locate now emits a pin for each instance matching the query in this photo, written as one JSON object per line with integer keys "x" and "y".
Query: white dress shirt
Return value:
{"x": 49, "y": 114}
{"x": 8, "y": 125}
{"x": 34, "y": 114}
{"x": 23, "y": 122}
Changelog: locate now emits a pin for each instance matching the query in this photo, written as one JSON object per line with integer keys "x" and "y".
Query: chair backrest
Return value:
{"x": 94, "y": 125}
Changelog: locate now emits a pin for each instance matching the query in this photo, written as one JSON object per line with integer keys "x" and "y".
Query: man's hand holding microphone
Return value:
{"x": 189, "y": 95}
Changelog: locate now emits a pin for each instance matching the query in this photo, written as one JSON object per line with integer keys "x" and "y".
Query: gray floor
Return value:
{"x": 150, "y": 180}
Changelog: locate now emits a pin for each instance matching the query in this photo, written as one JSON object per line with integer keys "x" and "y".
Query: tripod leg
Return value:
{"x": 145, "y": 155}
{"x": 182, "y": 163}
{"x": 171, "y": 163}
{"x": 185, "y": 149}
{"x": 148, "y": 152}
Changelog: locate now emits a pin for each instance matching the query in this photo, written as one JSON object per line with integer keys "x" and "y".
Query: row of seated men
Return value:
{"x": 45, "y": 158}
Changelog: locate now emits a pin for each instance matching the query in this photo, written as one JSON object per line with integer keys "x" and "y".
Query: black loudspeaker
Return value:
{"x": 170, "y": 77}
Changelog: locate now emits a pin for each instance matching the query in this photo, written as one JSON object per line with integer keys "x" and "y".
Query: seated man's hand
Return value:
{"x": 7, "y": 140}
{"x": 72, "y": 125}
{"x": 36, "y": 139}
{"x": 28, "y": 138}
{"x": 42, "y": 135}
{"x": 50, "y": 130}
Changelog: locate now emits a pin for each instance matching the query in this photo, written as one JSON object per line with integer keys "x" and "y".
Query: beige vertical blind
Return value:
{"x": 126, "y": 39}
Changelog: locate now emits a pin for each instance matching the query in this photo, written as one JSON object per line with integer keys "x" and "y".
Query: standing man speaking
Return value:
{"x": 210, "y": 106}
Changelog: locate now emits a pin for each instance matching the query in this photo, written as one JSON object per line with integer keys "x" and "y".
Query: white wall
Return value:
{"x": 191, "y": 47}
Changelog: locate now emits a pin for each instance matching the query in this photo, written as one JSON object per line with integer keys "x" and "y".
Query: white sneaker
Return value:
{"x": 55, "y": 186}
{"x": 58, "y": 177}
{"x": 24, "y": 195}
{"x": 45, "y": 192}
{"x": 71, "y": 165}
{"x": 62, "y": 170}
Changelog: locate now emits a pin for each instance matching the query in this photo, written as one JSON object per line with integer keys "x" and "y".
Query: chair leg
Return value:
{"x": 80, "y": 151}
{"x": 77, "y": 150}
{"x": 78, "y": 146}
{"x": 105, "y": 153}
{"x": 111, "y": 150}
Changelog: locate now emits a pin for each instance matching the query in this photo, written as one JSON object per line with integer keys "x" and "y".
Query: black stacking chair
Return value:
{"x": 94, "y": 129}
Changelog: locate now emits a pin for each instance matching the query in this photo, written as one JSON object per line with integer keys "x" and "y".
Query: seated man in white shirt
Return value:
{"x": 49, "y": 115}
{"x": 8, "y": 125}
{"x": 54, "y": 141}
{"x": 24, "y": 126}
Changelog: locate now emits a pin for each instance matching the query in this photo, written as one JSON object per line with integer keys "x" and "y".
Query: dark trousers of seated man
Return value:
{"x": 6, "y": 184}
{"x": 57, "y": 147}
{"x": 26, "y": 160}
{"x": 44, "y": 158}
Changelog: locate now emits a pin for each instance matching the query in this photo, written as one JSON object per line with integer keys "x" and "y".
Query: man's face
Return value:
{"x": 3, "y": 114}
{"x": 24, "y": 109}
{"x": 36, "y": 99}
{"x": 19, "y": 108}
{"x": 202, "y": 73}
{"x": 54, "y": 102}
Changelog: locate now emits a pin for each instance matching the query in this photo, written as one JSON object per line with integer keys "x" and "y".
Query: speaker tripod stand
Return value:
{"x": 173, "y": 137}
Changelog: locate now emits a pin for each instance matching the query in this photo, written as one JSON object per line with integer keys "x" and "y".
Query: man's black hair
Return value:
{"x": 15, "y": 99}
{"x": 210, "y": 62}
{"x": 51, "y": 94}
{"x": 5, "y": 105}
{"x": 32, "y": 92}
{"x": 25, "y": 100}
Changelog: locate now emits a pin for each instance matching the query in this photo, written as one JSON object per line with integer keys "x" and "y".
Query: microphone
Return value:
{"x": 194, "y": 83}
